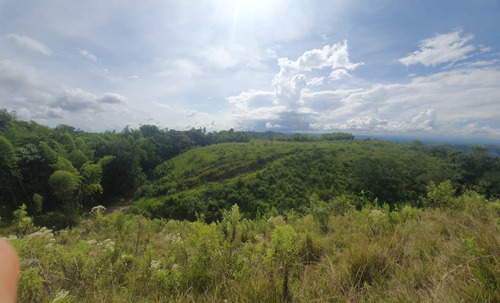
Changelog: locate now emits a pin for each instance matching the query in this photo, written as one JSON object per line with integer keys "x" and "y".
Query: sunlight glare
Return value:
{"x": 251, "y": 10}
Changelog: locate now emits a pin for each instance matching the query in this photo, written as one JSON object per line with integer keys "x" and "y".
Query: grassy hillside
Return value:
{"x": 446, "y": 254}
{"x": 274, "y": 177}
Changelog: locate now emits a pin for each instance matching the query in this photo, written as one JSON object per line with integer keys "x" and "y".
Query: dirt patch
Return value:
{"x": 119, "y": 205}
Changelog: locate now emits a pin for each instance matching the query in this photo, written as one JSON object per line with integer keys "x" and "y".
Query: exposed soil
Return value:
{"x": 118, "y": 205}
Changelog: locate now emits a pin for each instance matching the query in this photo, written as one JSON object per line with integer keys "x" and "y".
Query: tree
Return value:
{"x": 149, "y": 130}
{"x": 91, "y": 180}
{"x": 378, "y": 178}
{"x": 49, "y": 156}
{"x": 64, "y": 184}
{"x": 6, "y": 153}
{"x": 64, "y": 164}
{"x": 7, "y": 162}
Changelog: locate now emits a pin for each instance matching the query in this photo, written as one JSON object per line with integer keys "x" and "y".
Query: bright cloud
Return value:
{"x": 443, "y": 48}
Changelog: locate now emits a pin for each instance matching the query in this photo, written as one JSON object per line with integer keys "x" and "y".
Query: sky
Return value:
{"x": 410, "y": 68}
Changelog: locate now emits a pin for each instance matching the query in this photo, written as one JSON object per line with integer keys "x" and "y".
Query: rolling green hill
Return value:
{"x": 270, "y": 176}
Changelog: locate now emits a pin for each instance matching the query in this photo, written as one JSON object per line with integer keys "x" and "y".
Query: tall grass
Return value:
{"x": 371, "y": 255}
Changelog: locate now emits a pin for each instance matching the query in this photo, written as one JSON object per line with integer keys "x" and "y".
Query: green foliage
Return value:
{"x": 63, "y": 164}
{"x": 91, "y": 178}
{"x": 64, "y": 184}
{"x": 48, "y": 154}
{"x": 67, "y": 141}
{"x": 6, "y": 153}
{"x": 38, "y": 202}
{"x": 284, "y": 253}
{"x": 263, "y": 175}
{"x": 372, "y": 255}
{"x": 23, "y": 222}
{"x": 230, "y": 223}
{"x": 442, "y": 195}
{"x": 320, "y": 212}
{"x": 336, "y": 136}
{"x": 77, "y": 158}
{"x": 283, "y": 245}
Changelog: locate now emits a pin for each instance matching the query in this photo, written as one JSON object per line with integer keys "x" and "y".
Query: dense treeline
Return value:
{"x": 63, "y": 169}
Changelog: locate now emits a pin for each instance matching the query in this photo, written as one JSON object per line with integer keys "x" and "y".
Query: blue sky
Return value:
{"x": 411, "y": 68}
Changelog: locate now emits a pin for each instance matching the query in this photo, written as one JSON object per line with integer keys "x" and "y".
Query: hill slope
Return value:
{"x": 262, "y": 176}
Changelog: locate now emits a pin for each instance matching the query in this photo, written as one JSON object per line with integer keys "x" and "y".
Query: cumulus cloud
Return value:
{"x": 78, "y": 100}
{"x": 269, "y": 125}
{"x": 442, "y": 48}
{"x": 289, "y": 83}
{"x": 288, "y": 105}
{"x": 74, "y": 100}
{"x": 30, "y": 44}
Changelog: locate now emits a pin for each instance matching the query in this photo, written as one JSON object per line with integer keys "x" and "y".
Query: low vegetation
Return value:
{"x": 448, "y": 253}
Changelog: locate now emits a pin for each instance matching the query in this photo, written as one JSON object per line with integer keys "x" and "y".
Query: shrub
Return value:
{"x": 441, "y": 196}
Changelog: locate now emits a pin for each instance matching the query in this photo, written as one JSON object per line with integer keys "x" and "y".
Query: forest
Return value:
{"x": 233, "y": 216}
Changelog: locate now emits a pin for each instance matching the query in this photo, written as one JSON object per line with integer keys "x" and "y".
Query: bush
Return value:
{"x": 441, "y": 196}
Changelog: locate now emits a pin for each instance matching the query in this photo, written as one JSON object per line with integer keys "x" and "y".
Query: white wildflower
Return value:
{"x": 155, "y": 264}
{"x": 43, "y": 233}
{"x": 174, "y": 238}
{"x": 91, "y": 242}
{"x": 278, "y": 220}
{"x": 375, "y": 213}
{"x": 61, "y": 295}
{"x": 259, "y": 237}
{"x": 109, "y": 244}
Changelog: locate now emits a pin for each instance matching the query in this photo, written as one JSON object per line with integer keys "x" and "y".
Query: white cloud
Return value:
{"x": 316, "y": 81}
{"x": 291, "y": 80}
{"x": 30, "y": 44}
{"x": 75, "y": 100}
{"x": 78, "y": 100}
{"x": 269, "y": 125}
{"x": 88, "y": 55}
{"x": 436, "y": 104}
{"x": 443, "y": 48}
{"x": 339, "y": 74}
